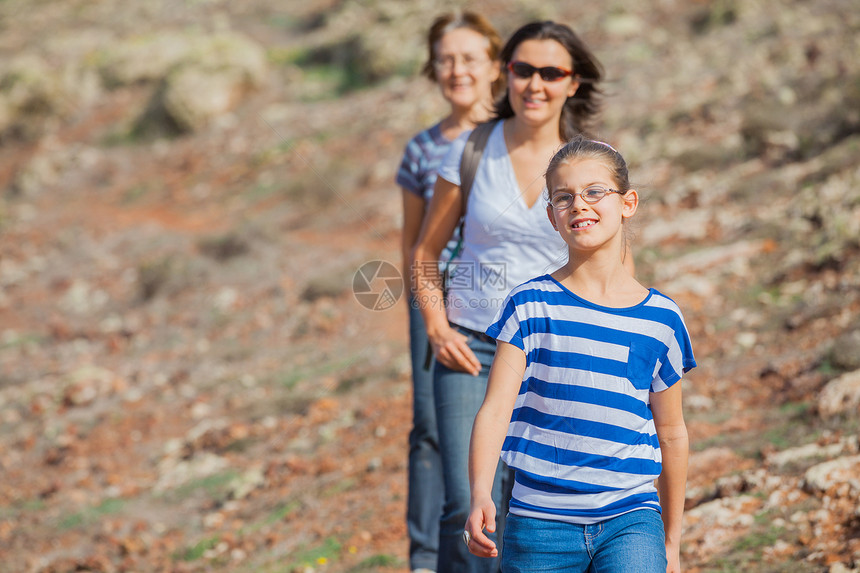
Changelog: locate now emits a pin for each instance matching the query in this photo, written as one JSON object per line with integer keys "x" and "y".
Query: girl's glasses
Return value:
{"x": 547, "y": 74}
{"x": 591, "y": 195}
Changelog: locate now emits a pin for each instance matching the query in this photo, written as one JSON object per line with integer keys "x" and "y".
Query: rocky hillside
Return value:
{"x": 188, "y": 382}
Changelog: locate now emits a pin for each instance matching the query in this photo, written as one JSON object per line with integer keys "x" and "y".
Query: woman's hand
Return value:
{"x": 452, "y": 350}
{"x": 481, "y": 515}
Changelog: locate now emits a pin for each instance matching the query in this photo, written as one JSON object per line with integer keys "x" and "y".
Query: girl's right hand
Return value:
{"x": 451, "y": 349}
{"x": 481, "y": 516}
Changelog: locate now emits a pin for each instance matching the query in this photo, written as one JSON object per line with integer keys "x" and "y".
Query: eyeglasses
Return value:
{"x": 447, "y": 63}
{"x": 591, "y": 195}
{"x": 547, "y": 74}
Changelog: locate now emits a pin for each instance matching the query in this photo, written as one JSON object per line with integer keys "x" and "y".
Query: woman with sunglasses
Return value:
{"x": 551, "y": 95}
{"x": 463, "y": 52}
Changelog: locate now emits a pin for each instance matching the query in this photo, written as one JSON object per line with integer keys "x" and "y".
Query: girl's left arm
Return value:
{"x": 674, "y": 444}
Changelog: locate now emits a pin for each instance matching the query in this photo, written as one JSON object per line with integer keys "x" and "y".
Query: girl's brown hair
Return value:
{"x": 580, "y": 147}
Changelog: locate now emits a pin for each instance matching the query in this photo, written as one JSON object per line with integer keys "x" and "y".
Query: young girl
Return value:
{"x": 586, "y": 371}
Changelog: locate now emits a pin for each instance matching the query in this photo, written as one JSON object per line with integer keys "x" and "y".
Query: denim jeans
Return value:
{"x": 458, "y": 397}
{"x": 426, "y": 488}
{"x": 633, "y": 542}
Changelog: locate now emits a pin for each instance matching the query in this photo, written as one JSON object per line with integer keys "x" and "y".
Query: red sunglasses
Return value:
{"x": 547, "y": 74}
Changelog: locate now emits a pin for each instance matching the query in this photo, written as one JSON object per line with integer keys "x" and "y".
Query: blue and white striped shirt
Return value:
{"x": 421, "y": 159}
{"x": 582, "y": 439}
{"x": 417, "y": 172}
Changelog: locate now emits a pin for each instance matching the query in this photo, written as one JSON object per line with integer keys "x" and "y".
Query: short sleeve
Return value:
{"x": 409, "y": 170}
{"x": 450, "y": 168}
{"x": 678, "y": 358}
{"x": 506, "y": 326}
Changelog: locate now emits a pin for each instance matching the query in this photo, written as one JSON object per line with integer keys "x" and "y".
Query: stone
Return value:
{"x": 246, "y": 483}
{"x": 827, "y": 475}
{"x": 841, "y": 396}
{"x": 212, "y": 79}
{"x": 31, "y": 94}
{"x": 845, "y": 352}
{"x": 142, "y": 59}
{"x": 811, "y": 451}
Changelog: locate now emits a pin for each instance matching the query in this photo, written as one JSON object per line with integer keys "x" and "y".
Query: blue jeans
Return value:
{"x": 424, "y": 503}
{"x": 458, "y": 397}
{"x": 633, "y": 542}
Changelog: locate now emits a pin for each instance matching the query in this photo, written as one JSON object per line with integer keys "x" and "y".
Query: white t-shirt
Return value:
{"x": 506, "y": 242}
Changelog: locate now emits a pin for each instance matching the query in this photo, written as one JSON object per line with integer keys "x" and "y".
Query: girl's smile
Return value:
{"x": 583, "y": 224}
{"x": 588, "y": 226}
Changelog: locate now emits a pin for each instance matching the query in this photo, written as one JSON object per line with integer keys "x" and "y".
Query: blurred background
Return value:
{"x": 188, "y": 381}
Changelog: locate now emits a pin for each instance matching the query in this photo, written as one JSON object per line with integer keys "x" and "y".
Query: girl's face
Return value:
{"x": 533, "y": 98}
{"x": 589, "y": 227}
{"x": 464, "y": 70}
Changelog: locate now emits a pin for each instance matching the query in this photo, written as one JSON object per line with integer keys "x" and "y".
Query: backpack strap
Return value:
{"x": 472, "y": 153}
{"x": 475, "y": 146}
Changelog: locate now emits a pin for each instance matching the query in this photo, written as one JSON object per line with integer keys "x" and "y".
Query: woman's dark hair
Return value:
{"x": 471, "y": 21}
{"x": 580, "y": 109}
